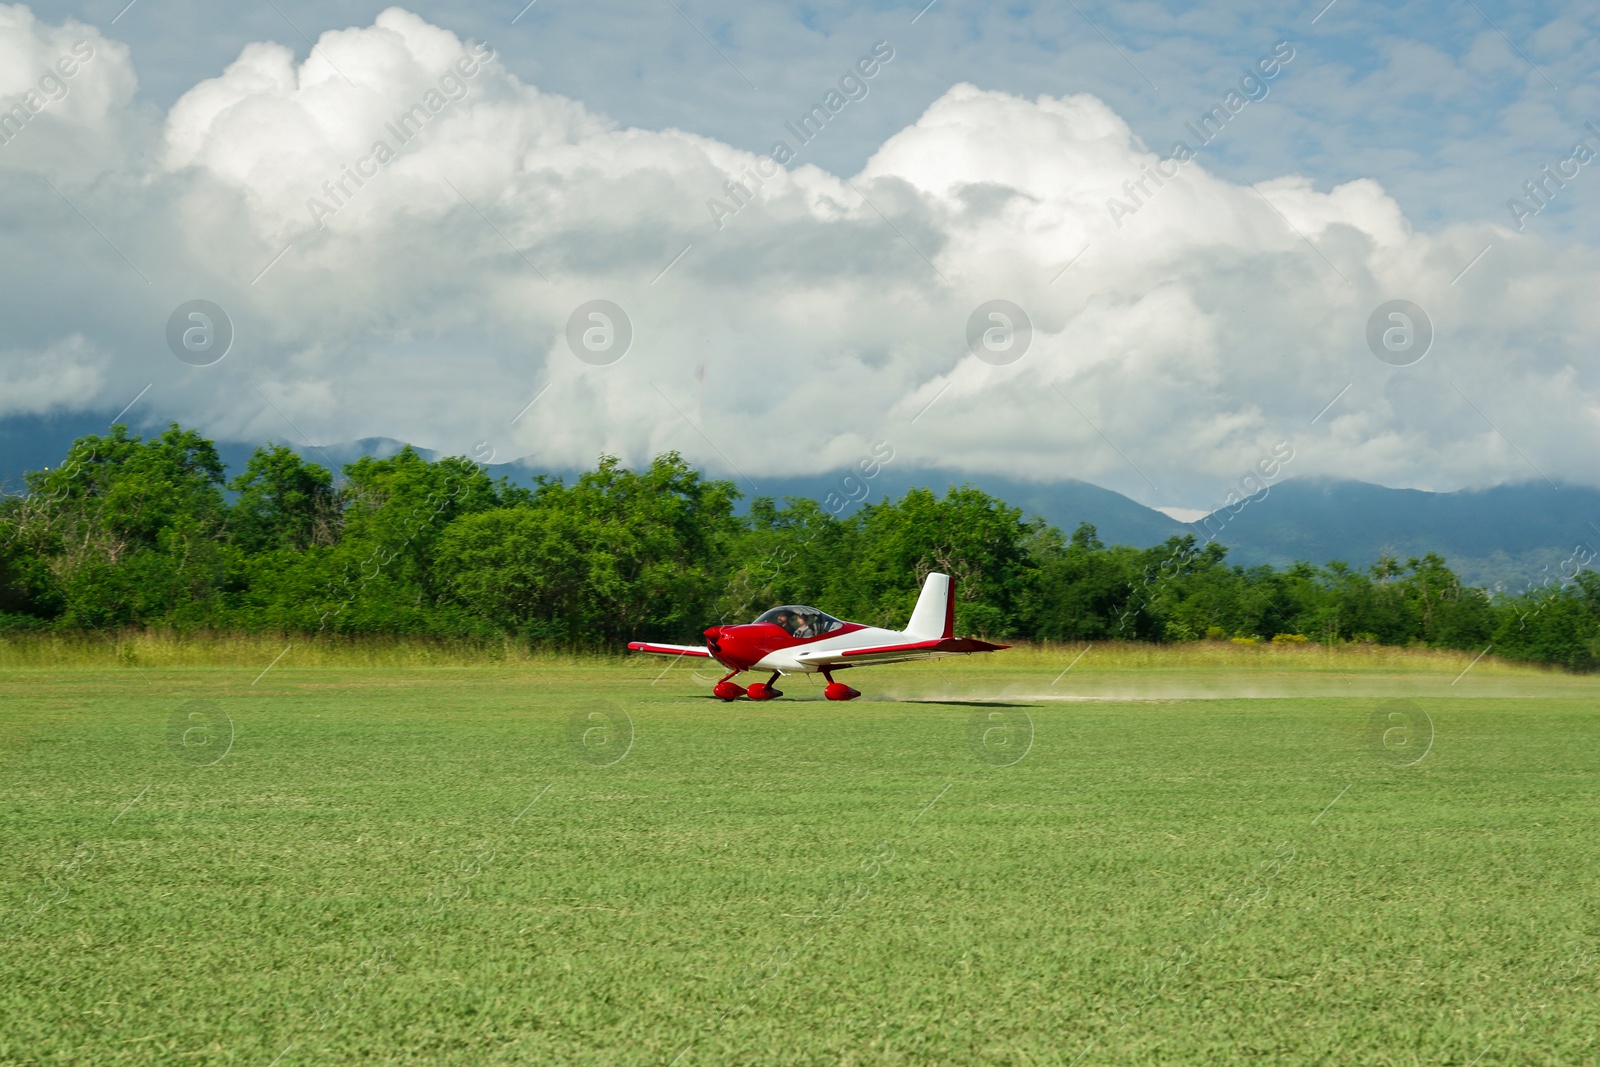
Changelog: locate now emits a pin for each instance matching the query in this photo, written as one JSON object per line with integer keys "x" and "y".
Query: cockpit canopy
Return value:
{"x": 801, "y": 621}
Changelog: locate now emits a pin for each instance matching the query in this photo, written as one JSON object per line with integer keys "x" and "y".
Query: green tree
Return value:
{"x": 524, "y": 570}
{"x": 979, "y": 541}
{"x": 797, "y": 554}
{"x": 28, "y": 597}
{"x": 132, "y": 528}
{"x": 1444, "y": 613}
{"x": 1557, "y": 625}
{"x": 283, "y": 502}
{"x": 618, "y": 554}
{"x": 1083, "y": 589}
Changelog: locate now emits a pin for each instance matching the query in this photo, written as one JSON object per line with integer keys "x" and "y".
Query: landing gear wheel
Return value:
{"x": 838, "y": 690}
{"x": 728, "y": 690}
{"x": 766, "y": 690}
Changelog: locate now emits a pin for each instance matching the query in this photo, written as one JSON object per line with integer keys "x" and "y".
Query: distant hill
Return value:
{"x": 1063, "y": 504}
{"x": 1492, "y": 537}
{"x": 34, "y": 442}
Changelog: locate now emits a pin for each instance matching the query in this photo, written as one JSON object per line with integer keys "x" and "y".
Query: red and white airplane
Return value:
{"x": 795, "y": 639}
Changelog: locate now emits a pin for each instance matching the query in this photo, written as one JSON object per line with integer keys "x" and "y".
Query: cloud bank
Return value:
{"x": 401, "y": 232}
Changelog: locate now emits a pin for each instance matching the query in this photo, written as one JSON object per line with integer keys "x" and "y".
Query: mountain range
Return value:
{"x": 1503, "y": 538}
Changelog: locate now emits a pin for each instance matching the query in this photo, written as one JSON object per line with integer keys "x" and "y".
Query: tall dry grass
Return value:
{"x": 1227, "y": 655}
{"x": 156, "y": 649}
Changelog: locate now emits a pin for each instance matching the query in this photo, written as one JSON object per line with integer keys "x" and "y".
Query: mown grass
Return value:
{"x": 589, "y": 861}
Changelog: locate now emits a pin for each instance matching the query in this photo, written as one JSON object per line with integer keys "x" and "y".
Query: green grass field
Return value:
{"x": 1204, "y": 856}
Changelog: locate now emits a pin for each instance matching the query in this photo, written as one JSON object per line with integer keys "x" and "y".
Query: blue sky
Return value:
{"x": 1428, "y": 118}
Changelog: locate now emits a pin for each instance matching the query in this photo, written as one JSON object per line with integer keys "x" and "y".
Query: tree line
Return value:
{"x": 150, "y": 533}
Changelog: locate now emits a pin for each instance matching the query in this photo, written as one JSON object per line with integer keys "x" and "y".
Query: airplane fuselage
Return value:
{"x": 765, "y": 646}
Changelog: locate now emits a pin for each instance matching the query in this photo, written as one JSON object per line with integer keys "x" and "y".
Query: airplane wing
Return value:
{"x": 669, "y": 650}
{"x": 895, "y": 653}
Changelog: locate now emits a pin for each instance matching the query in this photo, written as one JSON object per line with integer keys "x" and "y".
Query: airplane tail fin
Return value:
{"x": 935, "y": 613}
